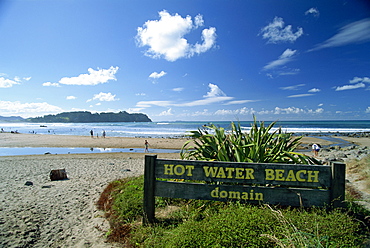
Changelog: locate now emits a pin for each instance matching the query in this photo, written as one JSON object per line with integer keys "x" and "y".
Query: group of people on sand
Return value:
{"x": 146, "y": 143}
{"x": 97, "y": 135}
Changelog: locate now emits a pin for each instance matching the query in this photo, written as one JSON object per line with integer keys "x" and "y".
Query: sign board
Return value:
{"x": 283, "y": 184}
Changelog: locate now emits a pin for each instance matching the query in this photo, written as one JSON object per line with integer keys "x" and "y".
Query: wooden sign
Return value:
{"x": 283, "y": 184}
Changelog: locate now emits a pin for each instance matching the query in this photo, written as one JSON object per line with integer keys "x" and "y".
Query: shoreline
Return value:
{"x": 50, "y": 140}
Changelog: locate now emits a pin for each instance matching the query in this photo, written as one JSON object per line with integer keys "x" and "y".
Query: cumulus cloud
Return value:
{"x": 251, "y": 111}
{"x": 93, "y": 77}
{"x": 289, "y": 110}
{"x": 104, "y": 97}
{"x": 350, "y": 87}
{"x": 277, "y": 32}
{"x": 284, "y": 58}
{"x": 355, "y": 83}
{"x": 312, "y": 11}
{"x": 27, "y": 109}
{"x": 7, "y": 83}
{"x": 355, "y": 32}
{"x": 241, "y": 111}
{"x": 367, "y": 110}
{"x": 215, "y": 91}
{"x": 71, "y": 97}
{"x": 358, "y": 79}
{"x": 49, "y": 84}
{"x": 314, "y": 90}
{"x": 166, "y": 112}
{"x": 156, "y": 75}
{"x": 165, "y": 37}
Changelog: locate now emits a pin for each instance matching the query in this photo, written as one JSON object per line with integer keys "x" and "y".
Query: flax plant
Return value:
{"x": 260, "y": 145}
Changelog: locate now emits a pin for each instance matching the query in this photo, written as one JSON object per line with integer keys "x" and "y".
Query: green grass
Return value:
{"x": 196, "y": 223}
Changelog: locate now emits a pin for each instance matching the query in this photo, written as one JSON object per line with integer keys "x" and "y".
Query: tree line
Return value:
{"x": 88, "y": 117}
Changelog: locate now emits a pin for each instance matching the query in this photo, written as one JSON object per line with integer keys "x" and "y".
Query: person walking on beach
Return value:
{"x": 92, "y": 133}
{"x": 104, "y": 133}
{"x": 146, "y": 146}
{"x": 316, "y": 149}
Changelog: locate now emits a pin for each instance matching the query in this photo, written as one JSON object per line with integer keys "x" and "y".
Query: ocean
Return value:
{"x": 180, "y": 128}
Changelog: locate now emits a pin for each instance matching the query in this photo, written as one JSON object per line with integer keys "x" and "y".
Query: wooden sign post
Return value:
{"x": 283, "y": 184}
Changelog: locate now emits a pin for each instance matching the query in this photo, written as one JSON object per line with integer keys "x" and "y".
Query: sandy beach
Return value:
{"x": 63, "y": 213}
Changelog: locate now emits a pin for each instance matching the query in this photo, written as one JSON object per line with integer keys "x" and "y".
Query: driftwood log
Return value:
{"x": 60, "y": 174}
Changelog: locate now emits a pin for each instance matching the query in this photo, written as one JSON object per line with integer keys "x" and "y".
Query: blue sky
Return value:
{"x": 187, "y": 60}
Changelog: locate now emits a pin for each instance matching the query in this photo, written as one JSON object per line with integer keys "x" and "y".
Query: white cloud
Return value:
{"x": 48, "y": 84}
{"x": 147, "y": 104}
{"x": 104, "y": 97}
{"x": 206, "y": 101}
{"x": 275, "y": 32}
{"x": 250, "y": 111}
{"x": 293, "y": 87}
{"x": 313, "y": 11}
{"x": 177, "y": 89}
{"x": 289, "y": 110}
{"x": 350, "y": 87}
{"x": 284, "y": 58}
{"x": 367, "y": 110}
{"x": 239, "y": 102}
{"x": 166, "y": 112}
{"x": 140, "y": 94}
{"x": 94, "y": 77}
{"x": 314, "y": 90}
{"x": 288, "y": 71}
{"x": 27, "y": 109}
{"x": 157, "y": 75}
{"x": 215, "y": 95}
{"x": 165, "y": 37}
{"x": 7, "y": 83}
{"x": 358, "y": 79}
{"x": 134, "y": 110}
{"x": 299, "y": 95}
{"x": 355, "y": 32}
{"x": 215, "y": 91}
{"x": 241, "y": 111}
{"x": 71, "y": 97}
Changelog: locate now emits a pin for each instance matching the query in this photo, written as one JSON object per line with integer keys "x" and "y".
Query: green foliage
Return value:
{"x": 260, "y": 145}
{"x": 85, "y": 117}
{"x": 128, "y": 199}
{"x": 197, "y": 223}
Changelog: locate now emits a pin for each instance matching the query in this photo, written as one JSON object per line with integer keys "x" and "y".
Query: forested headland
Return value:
{"x": 88, "y": 117}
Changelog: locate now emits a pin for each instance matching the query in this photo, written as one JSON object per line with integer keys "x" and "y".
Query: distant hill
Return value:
{"x": 11, "y": 119}
{"x": 86, "y": 117}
